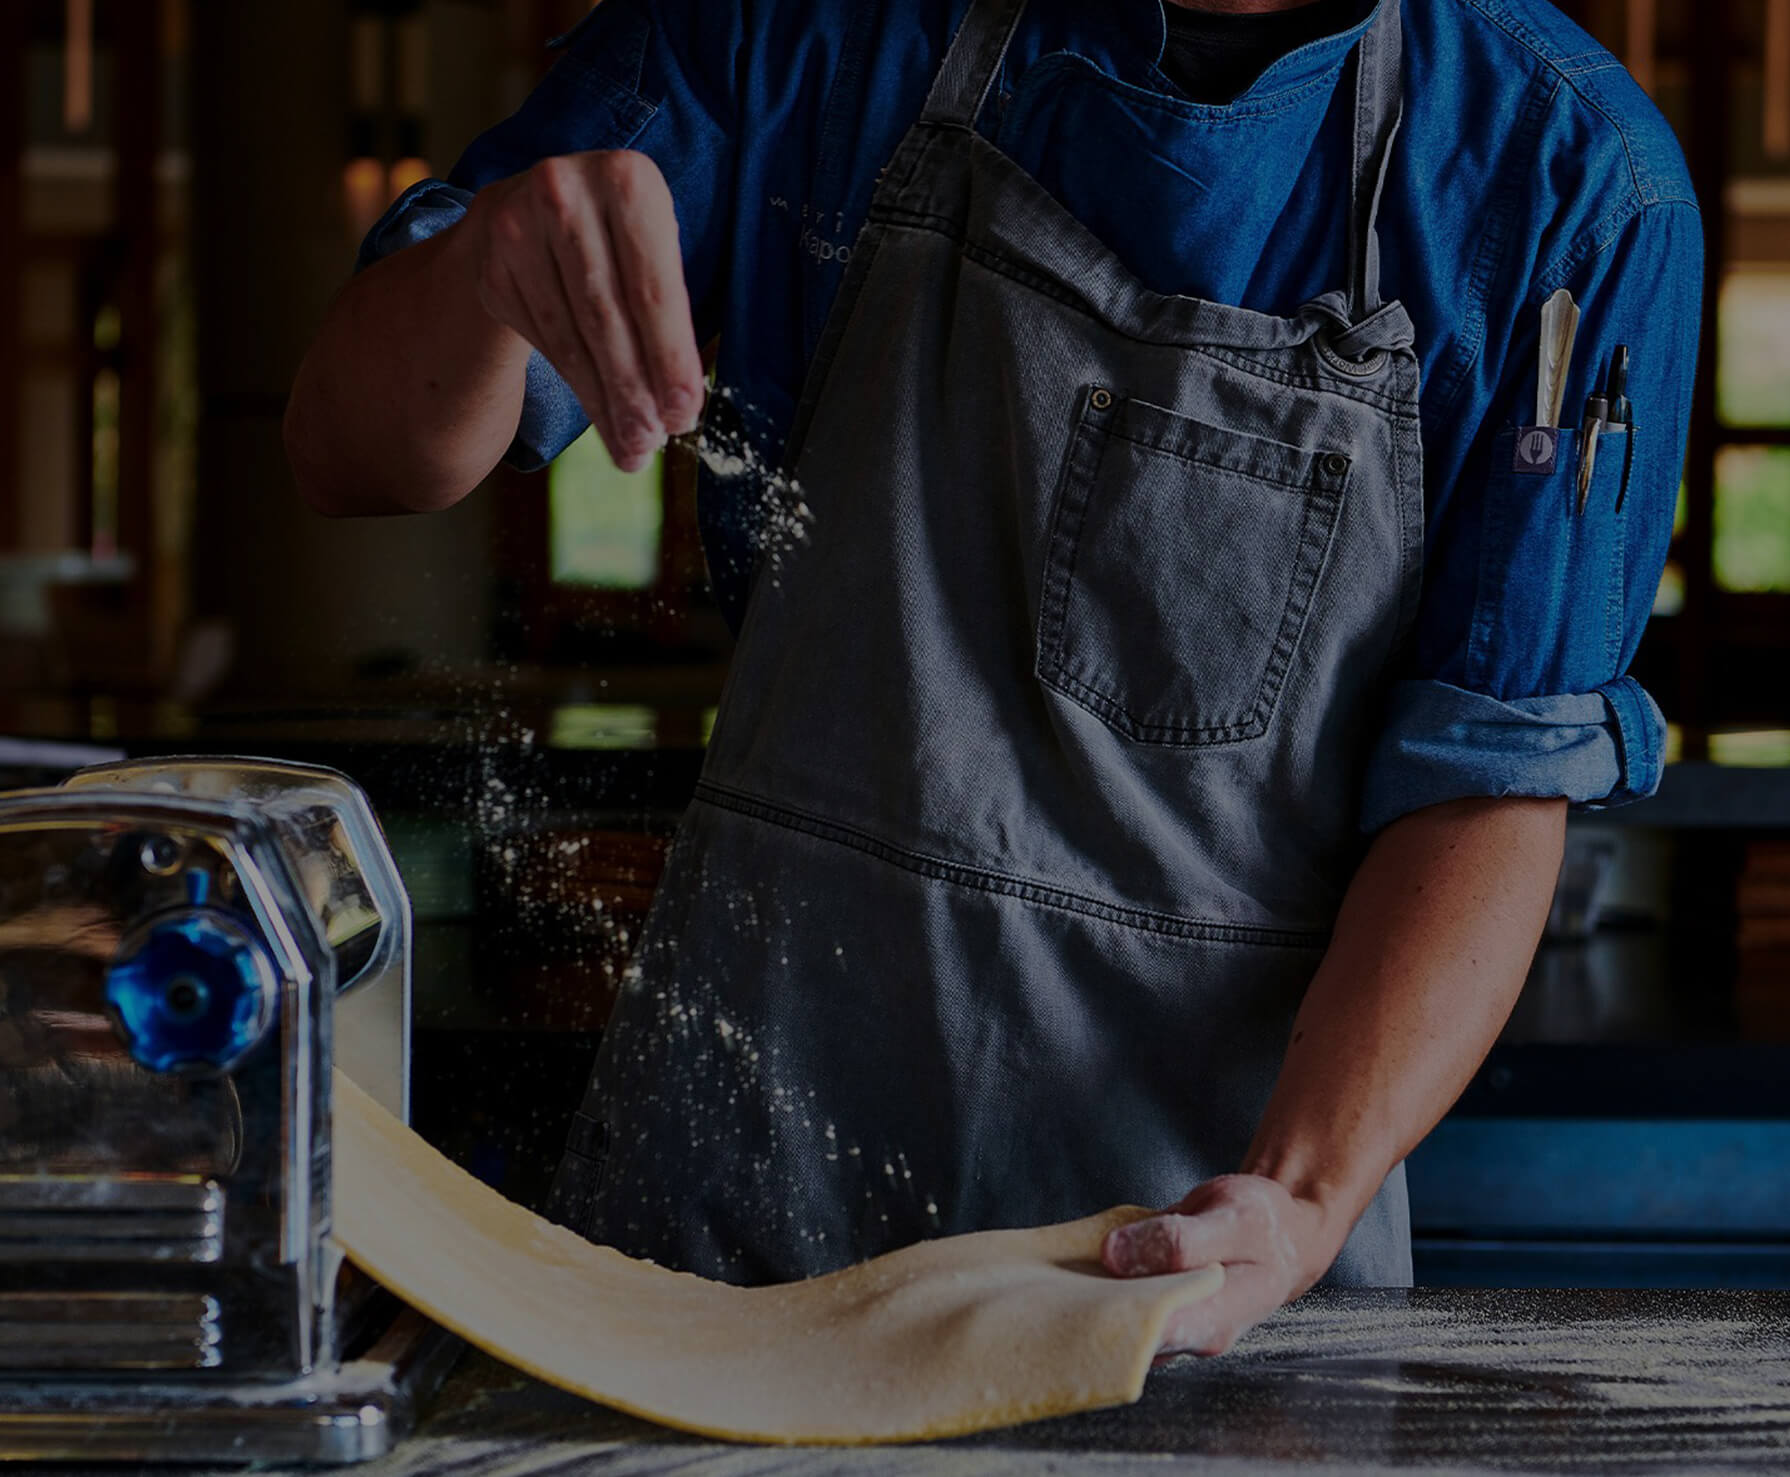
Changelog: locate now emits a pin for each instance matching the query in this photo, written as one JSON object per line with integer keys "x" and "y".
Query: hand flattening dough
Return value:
{"x": 935, "y": 1340}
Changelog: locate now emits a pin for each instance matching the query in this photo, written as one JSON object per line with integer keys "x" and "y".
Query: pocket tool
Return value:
{"x": 1617, "y": 391}
{"x": 184, "y": 947}
{"x": 1609, "y": 411}
{"x": 1597, "y": 416}
{"x": 1559, "y": 328}
{"x": 1538, "y": 444}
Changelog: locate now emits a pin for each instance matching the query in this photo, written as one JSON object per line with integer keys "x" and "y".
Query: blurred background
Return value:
{"x": 182, "y": 186}
{"x": 524, "y": 684}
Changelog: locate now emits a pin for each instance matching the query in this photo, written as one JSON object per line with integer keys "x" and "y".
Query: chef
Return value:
{"x": 1145, "y": 779}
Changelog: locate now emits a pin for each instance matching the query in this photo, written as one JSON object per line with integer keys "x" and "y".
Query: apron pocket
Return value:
{"x": 1182, "y": 564}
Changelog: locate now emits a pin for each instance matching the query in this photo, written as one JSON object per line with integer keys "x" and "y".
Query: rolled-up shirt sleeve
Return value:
{"x": 1532, "y": 612}
{"x": 650, "y": 75}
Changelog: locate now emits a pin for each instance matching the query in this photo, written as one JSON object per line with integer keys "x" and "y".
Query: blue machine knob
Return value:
{"x": 192, "y": 990}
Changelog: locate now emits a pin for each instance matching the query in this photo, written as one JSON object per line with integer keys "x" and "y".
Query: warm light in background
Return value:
{"x": 405, "y": 173}
{"x": 388, "y": 87}
{"x": 364, "y": 196}
{"x": 1776, "y": 123}
{"x": 77, "y": 67}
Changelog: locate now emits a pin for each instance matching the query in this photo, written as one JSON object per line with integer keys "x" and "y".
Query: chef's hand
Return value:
{"x": 1271, "y": 1245}
{"x": 579, "y": 255}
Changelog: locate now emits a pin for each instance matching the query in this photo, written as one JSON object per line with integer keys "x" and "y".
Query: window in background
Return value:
{"x": 1753, "y": 372}
{"x": 1752, "y": 518}
{"x": 604, "y": 524}
{"x": 1754, "y": 748}
{"x": 603, "y": 726}
{"x": 1721, "y": 76}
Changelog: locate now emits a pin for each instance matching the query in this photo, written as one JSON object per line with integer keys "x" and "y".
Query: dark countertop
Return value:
{"x": 1355, "y": 1382}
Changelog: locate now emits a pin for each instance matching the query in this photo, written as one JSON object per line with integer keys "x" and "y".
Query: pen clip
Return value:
{"x": 1616, "y": 389}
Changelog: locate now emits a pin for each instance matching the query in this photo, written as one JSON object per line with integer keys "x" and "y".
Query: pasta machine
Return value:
{"x": 186, "y": 946}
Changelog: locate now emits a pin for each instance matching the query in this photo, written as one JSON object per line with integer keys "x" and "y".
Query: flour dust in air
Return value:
{"x": 768, "y": 501}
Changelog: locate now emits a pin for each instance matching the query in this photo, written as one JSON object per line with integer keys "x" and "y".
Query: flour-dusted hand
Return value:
{"x": 579, "y": 255}
{"x": 1272, "y": 1248}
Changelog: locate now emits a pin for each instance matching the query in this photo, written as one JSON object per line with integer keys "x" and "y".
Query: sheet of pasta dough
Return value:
{"x": 949, "y": 1336}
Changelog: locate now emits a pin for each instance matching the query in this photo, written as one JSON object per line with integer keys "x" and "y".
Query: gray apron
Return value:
{"x": 1032, "y": 795}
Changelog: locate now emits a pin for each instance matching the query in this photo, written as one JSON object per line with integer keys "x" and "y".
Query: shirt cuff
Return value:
{"x": 552, "y": 418}
{"x": 1595, "y": 749}
{"x": 426, "y": 209}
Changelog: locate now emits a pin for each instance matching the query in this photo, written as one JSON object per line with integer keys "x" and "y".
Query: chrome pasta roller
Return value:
{"x": 186, "y": 946}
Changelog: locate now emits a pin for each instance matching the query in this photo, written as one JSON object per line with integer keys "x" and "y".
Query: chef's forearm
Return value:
{"x": 411, "y": 393}
{"x": 1429, "y": 952}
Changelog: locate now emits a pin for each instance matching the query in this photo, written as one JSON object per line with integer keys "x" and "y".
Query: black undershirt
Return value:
{"x": 1213, "y": 56}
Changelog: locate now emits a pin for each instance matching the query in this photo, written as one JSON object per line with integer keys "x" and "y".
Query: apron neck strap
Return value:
{"x": 1379, "y": 108}
{"x": 973, "y": 62}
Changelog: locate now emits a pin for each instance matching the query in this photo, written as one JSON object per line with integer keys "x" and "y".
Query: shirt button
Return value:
{"x": 1335, "y": 463}
{"x": 1101, "y": 399}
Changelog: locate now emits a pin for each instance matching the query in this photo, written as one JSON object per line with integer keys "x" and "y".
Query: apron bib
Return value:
{"x": 1032, "y": 796}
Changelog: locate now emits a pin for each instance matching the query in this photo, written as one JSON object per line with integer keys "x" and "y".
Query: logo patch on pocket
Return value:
{"x": 1536, "y": 449}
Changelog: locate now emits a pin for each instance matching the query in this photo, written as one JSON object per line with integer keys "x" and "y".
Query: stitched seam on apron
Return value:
{"x": 1394, "y": 405}
{"x": 1411, "y": 532}
{"x": 1080, "y": 470}
{"x": 918, "y": 158}
{"x": 900, "y": 217}
{"x": 826, "y": 350}
{"x": 1050, "y": 287}
{"x": 1014, "y": 270}
{"x": 1155, "y": 448}
{"x": 963, "y": 875}
{"x": 1168, "y": 735}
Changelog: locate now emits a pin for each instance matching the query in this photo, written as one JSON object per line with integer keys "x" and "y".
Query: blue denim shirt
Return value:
{"x": 1528, "y": 160}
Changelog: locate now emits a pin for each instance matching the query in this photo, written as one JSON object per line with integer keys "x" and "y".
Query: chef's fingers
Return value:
{"x": 643, "y": 240}
{"x": 537, "y": 310}
{"x": 1171, "y": 1243}
{"x": 591, "y": 293}
{"x": 1214, "y": 1325}
{"x": 518, "y": 285}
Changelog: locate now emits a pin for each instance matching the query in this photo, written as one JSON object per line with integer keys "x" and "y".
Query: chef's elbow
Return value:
{"x": 331, "y": 477}
{"x": 306, "y": 457}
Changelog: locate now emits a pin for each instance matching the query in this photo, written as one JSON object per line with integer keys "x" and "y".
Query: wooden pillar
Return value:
{"x": 1776, "y": 121}
{"x": 1641, "y": 43}
{"x": 137, "y": 82}
{"x": 12, "y": 211}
